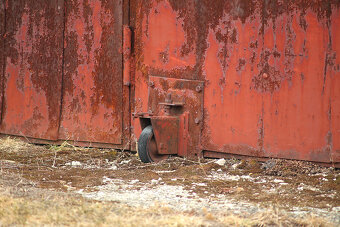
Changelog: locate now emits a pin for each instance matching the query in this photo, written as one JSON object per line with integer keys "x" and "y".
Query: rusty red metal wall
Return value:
{"x": 333, "y": 81}
{"x": 33, "y": 67}
{"x": 92, "y": 94}
{"x": 62, "y": 74}
{"x": 270, "y": 71}
{"x": 264, "y": 74}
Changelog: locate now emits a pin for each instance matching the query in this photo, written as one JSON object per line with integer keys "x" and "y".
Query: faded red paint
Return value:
{"x": 166, "y": 131}
{"x": 163, "y": 38}
{"x": 228, "y": 82}
{"x": 33, "y": 65}
{"x": 92, "y": 96}
{"x": 270, "y": 70}
{"x": 296, "y": 117}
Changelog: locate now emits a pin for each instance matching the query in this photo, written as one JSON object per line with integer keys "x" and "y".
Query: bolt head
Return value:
{"x": 151, "y": 84}
{"x": 265, "y": 75}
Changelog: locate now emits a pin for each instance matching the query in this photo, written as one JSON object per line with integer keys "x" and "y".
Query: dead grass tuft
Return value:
{"x": 66, "y": 146}
{"x": 13, "y": 145}
{"x": 275, "y": 217}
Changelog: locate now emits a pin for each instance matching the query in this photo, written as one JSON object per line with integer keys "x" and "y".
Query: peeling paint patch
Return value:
{"x": 33, "y": 54}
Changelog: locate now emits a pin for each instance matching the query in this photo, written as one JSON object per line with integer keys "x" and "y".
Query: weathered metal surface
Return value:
{"x": 296, "y": 115}
{"x": 267, "y": 73}
{"x": 33, "y": 59}
{"x": 126, "y": 55}
{"x": 2, "y": 50}
{"x": 92, "y": 95}
{"x": 166, "y": 131}
{"x": 270, "y": 68}
{"x": 233, "y": 108}
{"x": 334, "y": 82}
{"x": 174, "y": 97}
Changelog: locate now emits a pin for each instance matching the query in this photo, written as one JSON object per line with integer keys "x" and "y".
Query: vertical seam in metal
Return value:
{"x": 128, "y": 124}
{"x": 262, "y": 94}
{"x": 200, "y": 145}
{"x": 129, "y": 92}
{"x": 330, "y": 48}
{"x": 4, "y": 63}
{"x": 122, "y": 75}
{"x": 62, "y": 68}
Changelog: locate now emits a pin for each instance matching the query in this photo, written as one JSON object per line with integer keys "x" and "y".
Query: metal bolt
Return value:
{"x": 166, "y": 110}
{"x": 168, "y": 98}
{"x": 197, "y": 120}
{"x": 151, "y": 84}
{"x": 265, "y": 75}
{"x": 198, "y": 88}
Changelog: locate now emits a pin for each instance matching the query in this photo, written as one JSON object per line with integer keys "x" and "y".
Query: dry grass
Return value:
{"x": 12, "y": 145}
{"x": 72, "y": 210}
{"x": 66, "y": 146}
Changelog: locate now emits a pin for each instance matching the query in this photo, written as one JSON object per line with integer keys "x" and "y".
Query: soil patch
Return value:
{"x": 206, "y": 186}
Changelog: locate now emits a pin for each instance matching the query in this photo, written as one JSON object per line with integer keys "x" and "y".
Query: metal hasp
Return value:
{"x": 175, "y": 105}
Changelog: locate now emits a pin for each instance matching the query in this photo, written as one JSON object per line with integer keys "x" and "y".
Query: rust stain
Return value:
{"x": 2, "y": 50}
{"x": 187, "y": 92}
{"x": 262, "y": 62}
{"x": 93, "y": 90}
{"x": 256, "y": 58}
{"x": 33, "y": 53}
{"x": 241, "y": 64}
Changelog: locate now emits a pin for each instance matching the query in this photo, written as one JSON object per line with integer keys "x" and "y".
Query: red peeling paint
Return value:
{"x": 163, "y": 38}
{"x": 92, "y": 99}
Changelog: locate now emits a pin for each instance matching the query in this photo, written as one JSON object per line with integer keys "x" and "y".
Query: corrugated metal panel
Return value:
{"x": 92, "y": 95}
{"x": 32, "y": 81}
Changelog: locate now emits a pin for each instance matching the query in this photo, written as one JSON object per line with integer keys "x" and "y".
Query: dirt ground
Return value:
{"x": 67, "y": 185}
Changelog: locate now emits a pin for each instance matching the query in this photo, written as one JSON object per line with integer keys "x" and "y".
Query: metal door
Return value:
{"x": 33, "y": 68}
{"x": 62, "y": 74}
{"x": 270, "y": 71}
{"x": 92, "y": 82}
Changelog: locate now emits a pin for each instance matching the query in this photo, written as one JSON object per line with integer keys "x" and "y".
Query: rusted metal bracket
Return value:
{"x": 171, "y": 133}
{"x": 173, "y": 106}
{"x": 169, "y": 103}
{"x": 165, "y": 129}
